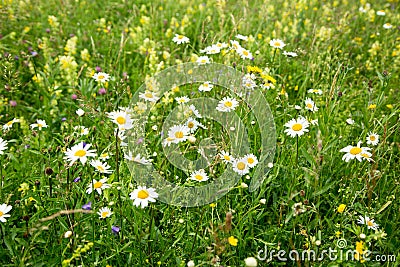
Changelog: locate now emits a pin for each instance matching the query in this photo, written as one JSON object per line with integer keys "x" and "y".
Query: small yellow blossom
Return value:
{"x": 372, "y": 106}
{"x": 341, "y": 208}
{"x": 233, "y": 241}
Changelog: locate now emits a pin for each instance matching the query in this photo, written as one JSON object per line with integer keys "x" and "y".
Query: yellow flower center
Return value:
{"x": 104, "y": 214}
{"x": 277, "y": 44}
{"x": 241, "y": 166}
{"x": 180, "y": 37}
{"x": 100, "y": 168}
{"x": 191, "y": 124}
{"x": 205, "y": 84}
{"x": 245, "y": 53}
{"x": 355, "y": 150}
{"x": 1, "y": 213}
{"x": 198, "y": 177}
{"x": 80, "y": 153}
{"x": 10, "y": 123}
{"x": 309, "y": 105}
{"x": 226, "y": 157}
{"x": 121, "y": 120}
{"x": 250, "y": 160}
{"x": 365, "y": 155}
{"x": 369, "y": 223}
{"x": 101, "y": 77}
{"x": 297, "y": 127}
{"x": 40, "y": 125}
{"x": 372, "y": 138}
{"x": 228, "y": 104}
{"x": 203, "y": 61}
{"x": 148, "y": 95}
{"x": 179, "y": 134}
{"x": 143, "y": 194}
{"x": 97, "y": 184}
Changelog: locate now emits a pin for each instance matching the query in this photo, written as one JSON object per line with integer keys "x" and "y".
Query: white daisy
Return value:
{"x": 80, "y": 151}
{"x": 372, "y": 139}
{"x": 180, "y": 39}
{"x": 4, "y": 209}
{"x": 242, "y": 37}
{"x": 3, "y": 145}
{"x": 222, "y": 45}
{"x": 101, "y": 77}
{"x": 199, "y": 175}
{"x": 367, "y": 156}
{"x": 182, "y": 99}
{"x": 80, "y": 112}
{"x": 81, "y": 130}
{"x": 251, "y": 160}
{"x": 240, "y": 166}
{"x": 193, "y": 124}
{"x": 149, "y": 96}
{"x": 168, "y": 141}
{"x": 179, "y": 133}
{"x": 310, "y": 105}
{"x": 350, "y": 121}
{"x": 9, "y": 124}
{"x": 206, "y": 87}
{"x": 98, "y": 186}
{"x": 248, "y": 82}
{"x": 315, "y": 91}
{"x": 211, "y": 50}
{"x": 138, "y": 158}
{"x": 121, "y": 118}
{"x": 121, "y": 137}
{"x": 235, "y": 45}
{"x": 142, "y": 196}
{"x": 368, "y": 222}
{"x": 244, "y": 53}
{"x": 203, "y": 60}
{"x": 387, "y": 26}
{"x": 194, "y": 111}
{"x": 290, "y": 54}
{"x": 104, "y": 156}
{"x": 101, "y": 167}
{"x": 104, "y": 212}
{"x": 226, "y": 157}
{"x": 380, "y": 13}
{"x": 227, "y": 104}
{"x": 39, "y": 124}
{"x": 354, "y": 152}
{"x": 277, "y": 43}
{"x": 297, "y": 127}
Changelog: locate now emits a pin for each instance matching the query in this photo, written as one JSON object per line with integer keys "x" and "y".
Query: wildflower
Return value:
{"x": 3, "y": 145}
{"x": 380, "y": 13}
{"x": 242, "y": 37}
{"x": 67, "y": 234}
{"x": 315, "y": 91}
{"x": 87, "y": 206}
{"x": 39, "y": 124}
{"x": 122, "y": 119}
{"x": 263, "y": 201}
{"x": 200, "y": 176}
{"x": 350, "y": 121}
{"x": 101, "y": 77}
{"x": 104, "y": 212}
{"x": 180, "y": 39}
{"x": 80, "y": 151}
{"x": 240, "y": 166}
{"x": 206, "y": 87}
{"x": 211, "y": 50}
{"x": 102, "y": 91}
{"x": 372, "y": 106}
{"x": 368, "y": 222}
{"x": 227, "y": 104}
{"x": 290, "y": 54}
{"x": 182, "y": 100}
{"x": 4, "y": 209}
{"x": 341, "y": 208}
{"x": 233, "y": 241}
{"x": 168, "y": 141}
{"x": 244, "y": 53}
{"x": 359, "y": 251}
{"x": 80, "y": 112}
{"x": 193, "y": 124}
{"x": 298, "y": 208}
{"x": 277, "y": 43}
{"x": 250, "y": 262}
{"x": 179, "y": 133}
{"x": 190, "y": 264}
{"x": 372, "y": 139}
{"x": 142, "y": 195}
{"x": 362, "y": 236}
{"x": 115, "y": 229}
{"x": 387, "y": 26}
{"x": 353, "y": 152}
{"x": 9, "y": 124}
{"x": 248, "y": 81}
{"x": 138, "y": 159}
{"x": 194, "y": 111}
{"x": 98, "y": 186}
{"x": 82, "y": 130}
{"x": 310, "y": 105}
{"x": 297, "y": 127}
{"x": 203, "y": 60}
{"x": 235, "y": 45}
{"x": 251, "y": 160}
{"x": 101, "y": 167}
{"x": 226, "y": 157}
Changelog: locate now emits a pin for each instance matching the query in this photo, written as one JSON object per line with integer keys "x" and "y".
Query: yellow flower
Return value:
{"x": 232, "y": 241}
{"x": 372, "y": 106}
{"x": 338, "y": 233}
{"x": 389, "y": 106}
{"x": 212, "y": 205}
{"x": 341, "y": 208}
{"x": 359, "y": 251}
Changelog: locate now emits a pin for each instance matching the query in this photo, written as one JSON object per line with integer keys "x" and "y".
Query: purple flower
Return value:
{"x": 16, "y": 57}
{"x": 139, "y": 141}
{"x": 98, "y": 69}
{"x": 71, "y": 35}
{"x": 102, "y": 91}
{"x": 74, "y": 97}
{"x": 34, "y": 53}
{"x": 115, "y": 229}
{"x": 13, "y": 103}
{"x": 87, "y": 206}
{"x": 84, "y": 144}
{"x": 27, "y": 146}
{"x": 63, "y": 119}
{"x": 48, "y": 30}
{"x": 77, "y": 179}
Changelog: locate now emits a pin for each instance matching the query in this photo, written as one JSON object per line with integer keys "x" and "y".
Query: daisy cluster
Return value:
{"x": 358, "y": 152}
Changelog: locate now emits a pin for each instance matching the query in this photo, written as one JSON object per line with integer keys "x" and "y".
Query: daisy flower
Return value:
{"x": 242, "y": 37}
{"x": 180, "y": 39}
{"x": 192, "y": 125}
{"x": 212, "y": 50}
{"x": 203, "y": 60}
{"x": 227, "y": 104}
{"x": 248, "y": 82}
{"x": 3, "y": 145}
{"x": 355, "y": 152}
{"x": 4, "y": 209}
{"x": 104, "y": 156}
{"x": 367, "y": 156}
{"x": 98, "y": 186}
{"x": 368, "y": 222}
{"x": 310, "y": 105}
{"x": 182, "y": 99}
{"x": 380, "y": 13}
{"x": 251, "y": 160}
{"x": 206, "y": 87}
{"x": 235, "y": 45}
{"x": 149, "y": 96}
{"x": 387, "y": 26}
{"x": 315, "y": 91}
{"x": 101, "y": 77}
{"x": 290, "y": 54}
{"x": 222, "y": 45}
{"x": 179, "y": 133}
{"x": 350, "y": 121}
{"x": 372, "y": 139}
{"x": 168, "y": 141}
{"x": 101, "y": 167}
{"x": 277, "y": 43}
{"x": 200, "y": 176}
{"x": 9, "y": 124}
{"x": 104, "y": 212}
{"x": 39, "y": 124}
{"x": 194, "y": 111}
{"x": 121, "y": 118}
{"x": 244, "y": 53}
{"x": 80, "y": 151}
{"x": 226, "y": 157}
{"x": 297, "y": 127}
{"x": 138, "y": 158}
{"x": 142, "y": 196}
{"x": 80, "y": 112}
{"x": 240, "y": 166}
{"x": 82, "y": 130}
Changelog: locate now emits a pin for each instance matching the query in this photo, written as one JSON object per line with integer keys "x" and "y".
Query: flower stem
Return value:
{"x": 297, "y": 150}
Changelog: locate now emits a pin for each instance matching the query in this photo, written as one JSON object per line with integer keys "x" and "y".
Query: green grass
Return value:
{"x": 346, "y": 53}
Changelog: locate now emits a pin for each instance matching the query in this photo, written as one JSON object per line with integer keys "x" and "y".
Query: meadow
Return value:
{"x": 107, "y": 160}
